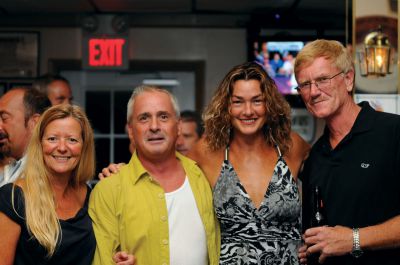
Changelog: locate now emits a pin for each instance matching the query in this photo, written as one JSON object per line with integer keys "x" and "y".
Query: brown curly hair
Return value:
{"x": 217, "y": 120}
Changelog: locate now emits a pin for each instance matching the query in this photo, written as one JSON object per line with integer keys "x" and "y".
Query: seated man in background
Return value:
{"x": 159, "y": 206}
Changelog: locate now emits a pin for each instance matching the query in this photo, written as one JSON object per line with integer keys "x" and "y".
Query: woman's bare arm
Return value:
{"x": 9, "y": 235}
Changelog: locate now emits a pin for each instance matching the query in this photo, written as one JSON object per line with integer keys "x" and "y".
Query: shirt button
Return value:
{"x": 163, "y": 218}
{"x": 160, "y": 195}
{"x": 165, "y": 241}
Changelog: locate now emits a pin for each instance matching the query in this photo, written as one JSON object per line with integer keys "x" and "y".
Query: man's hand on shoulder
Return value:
{"x": 111, "y": 169}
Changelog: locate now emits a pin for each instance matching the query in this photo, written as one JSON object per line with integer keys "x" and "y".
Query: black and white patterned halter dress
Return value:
{"x": 268, "y": 235}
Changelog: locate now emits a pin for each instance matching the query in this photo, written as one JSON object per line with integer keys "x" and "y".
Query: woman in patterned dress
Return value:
{"x": 252, "y": 159}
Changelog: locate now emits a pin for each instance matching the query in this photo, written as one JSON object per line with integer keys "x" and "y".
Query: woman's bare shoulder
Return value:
{"x": 201, "y": 152}
{"x": 196, "y": 152}
{"x": 300, "y": 148}
{"x": 208, "y": 160}
{"x": 297, "y": 153}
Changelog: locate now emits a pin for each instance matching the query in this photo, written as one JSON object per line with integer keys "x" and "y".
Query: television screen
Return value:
{"x": 277, "y": 58}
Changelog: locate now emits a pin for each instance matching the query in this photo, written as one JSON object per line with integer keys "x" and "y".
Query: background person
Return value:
{"x": 251, "y": 158}
{"x": 288, "y": 65}
{"x": 159, "y": 206}
{"x": 356, "y": 164}
{"x": 191, "y": 130}
{"x": 276, "y": 62}
{"x": 20, "y": 110}
{"x": 56, "y": 87}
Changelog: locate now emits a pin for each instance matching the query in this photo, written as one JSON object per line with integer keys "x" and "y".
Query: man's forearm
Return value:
{"x": 382, "y": 236}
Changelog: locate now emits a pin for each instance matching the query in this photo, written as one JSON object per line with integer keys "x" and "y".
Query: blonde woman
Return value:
{"x": 252, "y": 159}
{"x": 43, "y": 215}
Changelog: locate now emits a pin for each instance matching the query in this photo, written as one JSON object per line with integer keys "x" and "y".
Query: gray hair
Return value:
{"x": 146, "y": 88}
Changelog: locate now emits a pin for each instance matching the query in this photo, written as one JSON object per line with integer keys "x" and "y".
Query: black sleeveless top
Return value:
{"x": 268, "y": 235}
{"x": 77, "y": 243}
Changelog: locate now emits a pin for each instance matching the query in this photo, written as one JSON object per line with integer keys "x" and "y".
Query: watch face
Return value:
{"x": 356, "y": 253}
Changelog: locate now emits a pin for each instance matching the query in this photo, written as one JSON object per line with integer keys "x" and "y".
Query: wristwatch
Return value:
{"x": 356, "y": 251}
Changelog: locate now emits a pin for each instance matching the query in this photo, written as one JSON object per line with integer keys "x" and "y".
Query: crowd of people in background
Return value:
{"x": 279, "y": 65}
{"x": 275, "y": 62}
{"x": 221, "y": 187}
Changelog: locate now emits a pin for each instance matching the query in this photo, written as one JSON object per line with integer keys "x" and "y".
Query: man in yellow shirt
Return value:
{"x": 159, "y": 206}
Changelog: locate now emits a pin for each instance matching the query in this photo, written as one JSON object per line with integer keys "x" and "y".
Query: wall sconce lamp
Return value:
{"x": 375, "y": 59}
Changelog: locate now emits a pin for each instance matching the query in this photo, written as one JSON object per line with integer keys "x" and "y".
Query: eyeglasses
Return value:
{"x": 320, "y": 83}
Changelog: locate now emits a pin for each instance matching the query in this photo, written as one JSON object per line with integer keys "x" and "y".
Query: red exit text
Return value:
{"x": 106, "y": 52}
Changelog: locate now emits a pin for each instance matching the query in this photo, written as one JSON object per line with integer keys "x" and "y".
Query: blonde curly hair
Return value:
{"x": 217, "y": 120}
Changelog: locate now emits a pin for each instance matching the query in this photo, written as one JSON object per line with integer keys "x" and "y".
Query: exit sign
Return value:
{"x": 105, "y": 52}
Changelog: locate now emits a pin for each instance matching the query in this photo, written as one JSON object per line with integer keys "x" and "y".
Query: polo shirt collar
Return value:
{"x": 138, "y": 170}
{"x": 365, "y": 118}
{"x": 362, "y": 123}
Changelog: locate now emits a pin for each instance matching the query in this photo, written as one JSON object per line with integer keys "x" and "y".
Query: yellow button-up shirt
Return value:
{"x": 129, "y": 213}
